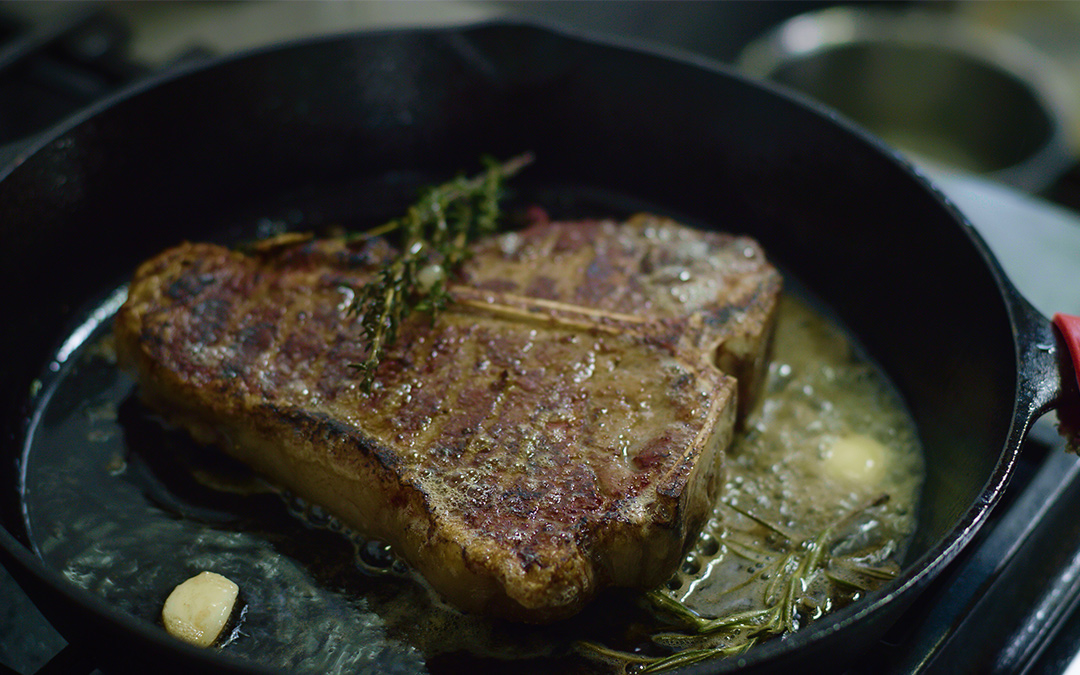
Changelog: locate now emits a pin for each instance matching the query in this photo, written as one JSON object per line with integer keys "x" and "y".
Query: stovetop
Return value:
{"x": 1007, "y": 605}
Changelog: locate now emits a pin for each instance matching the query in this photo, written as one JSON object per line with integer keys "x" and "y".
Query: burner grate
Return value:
{"x": 48, "y": 72}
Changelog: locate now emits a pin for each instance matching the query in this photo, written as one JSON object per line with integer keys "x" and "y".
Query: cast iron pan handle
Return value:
{"x": 1048, "y": 368}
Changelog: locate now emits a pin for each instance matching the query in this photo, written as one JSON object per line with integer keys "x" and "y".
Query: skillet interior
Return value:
{"x": 847, "y": 218}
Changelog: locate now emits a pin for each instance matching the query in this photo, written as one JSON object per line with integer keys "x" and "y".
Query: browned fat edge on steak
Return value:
{"x": 559, "y": 429}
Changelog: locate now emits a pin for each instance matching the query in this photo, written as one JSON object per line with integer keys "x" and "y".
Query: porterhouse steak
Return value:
{"x": 559, "y": 428}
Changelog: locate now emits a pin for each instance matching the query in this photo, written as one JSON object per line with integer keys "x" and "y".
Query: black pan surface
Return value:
{"x": 340, "y": 129}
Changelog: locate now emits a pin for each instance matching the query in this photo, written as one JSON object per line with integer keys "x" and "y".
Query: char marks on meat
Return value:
{"x": 558, "y": 429}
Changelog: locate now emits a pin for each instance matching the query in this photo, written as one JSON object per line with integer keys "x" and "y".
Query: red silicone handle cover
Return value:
{"x": 1070, "y": 329}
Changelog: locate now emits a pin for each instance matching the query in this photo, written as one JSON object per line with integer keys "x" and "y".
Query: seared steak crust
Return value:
{"x": 559, "y": 429}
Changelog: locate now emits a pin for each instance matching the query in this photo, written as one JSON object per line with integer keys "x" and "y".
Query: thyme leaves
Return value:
{"x": 435, "y": 232}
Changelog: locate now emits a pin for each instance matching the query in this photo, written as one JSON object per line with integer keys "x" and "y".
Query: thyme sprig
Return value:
{"x": 436, "y": 232}
{"x": 789, "y": 569}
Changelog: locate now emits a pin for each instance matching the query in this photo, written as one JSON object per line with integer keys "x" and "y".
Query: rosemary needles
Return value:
{"x": 435, "y": 233}
{"x": 784, "y": 571}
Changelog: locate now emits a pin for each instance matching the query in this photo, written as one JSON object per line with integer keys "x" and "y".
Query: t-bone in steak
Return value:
{"x": 559, "y": 428}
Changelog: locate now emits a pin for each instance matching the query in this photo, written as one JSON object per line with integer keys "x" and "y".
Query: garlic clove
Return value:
{"x": 198, "y": 609}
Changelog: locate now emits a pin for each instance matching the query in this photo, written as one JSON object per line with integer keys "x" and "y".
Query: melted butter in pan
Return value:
{"x": 128, "y": 509}
{"x": 821, "y": 492}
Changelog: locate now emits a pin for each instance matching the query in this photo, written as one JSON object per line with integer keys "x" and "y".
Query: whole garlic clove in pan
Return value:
{"x": 198, "y": 610}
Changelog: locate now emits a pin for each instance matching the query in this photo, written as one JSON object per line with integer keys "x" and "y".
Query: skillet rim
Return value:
{"x": 915, "y": 575}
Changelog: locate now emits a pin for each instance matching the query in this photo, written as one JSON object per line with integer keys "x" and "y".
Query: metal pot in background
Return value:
{"x": 951, "y": 94}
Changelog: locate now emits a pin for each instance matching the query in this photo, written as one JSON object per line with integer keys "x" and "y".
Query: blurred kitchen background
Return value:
{"x": 978, "y": 85}
{"x": 990, "y": 87}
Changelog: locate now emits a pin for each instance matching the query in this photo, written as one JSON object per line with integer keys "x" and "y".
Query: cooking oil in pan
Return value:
{"x": 819, "y": 503}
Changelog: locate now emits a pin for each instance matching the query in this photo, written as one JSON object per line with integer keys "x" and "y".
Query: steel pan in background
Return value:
{"x": 952, "y": 94}
{"x": 612, "y": 125}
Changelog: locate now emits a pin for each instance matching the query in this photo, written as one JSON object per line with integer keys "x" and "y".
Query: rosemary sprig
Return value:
{"x": 789, "y": 568}
{"x": 436, "y": 232}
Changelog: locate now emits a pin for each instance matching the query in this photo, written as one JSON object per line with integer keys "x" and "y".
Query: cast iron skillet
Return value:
{"x": 176, "y": 158}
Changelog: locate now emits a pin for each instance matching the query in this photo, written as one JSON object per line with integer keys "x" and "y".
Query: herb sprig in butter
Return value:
{"x": 436, "y": 232}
